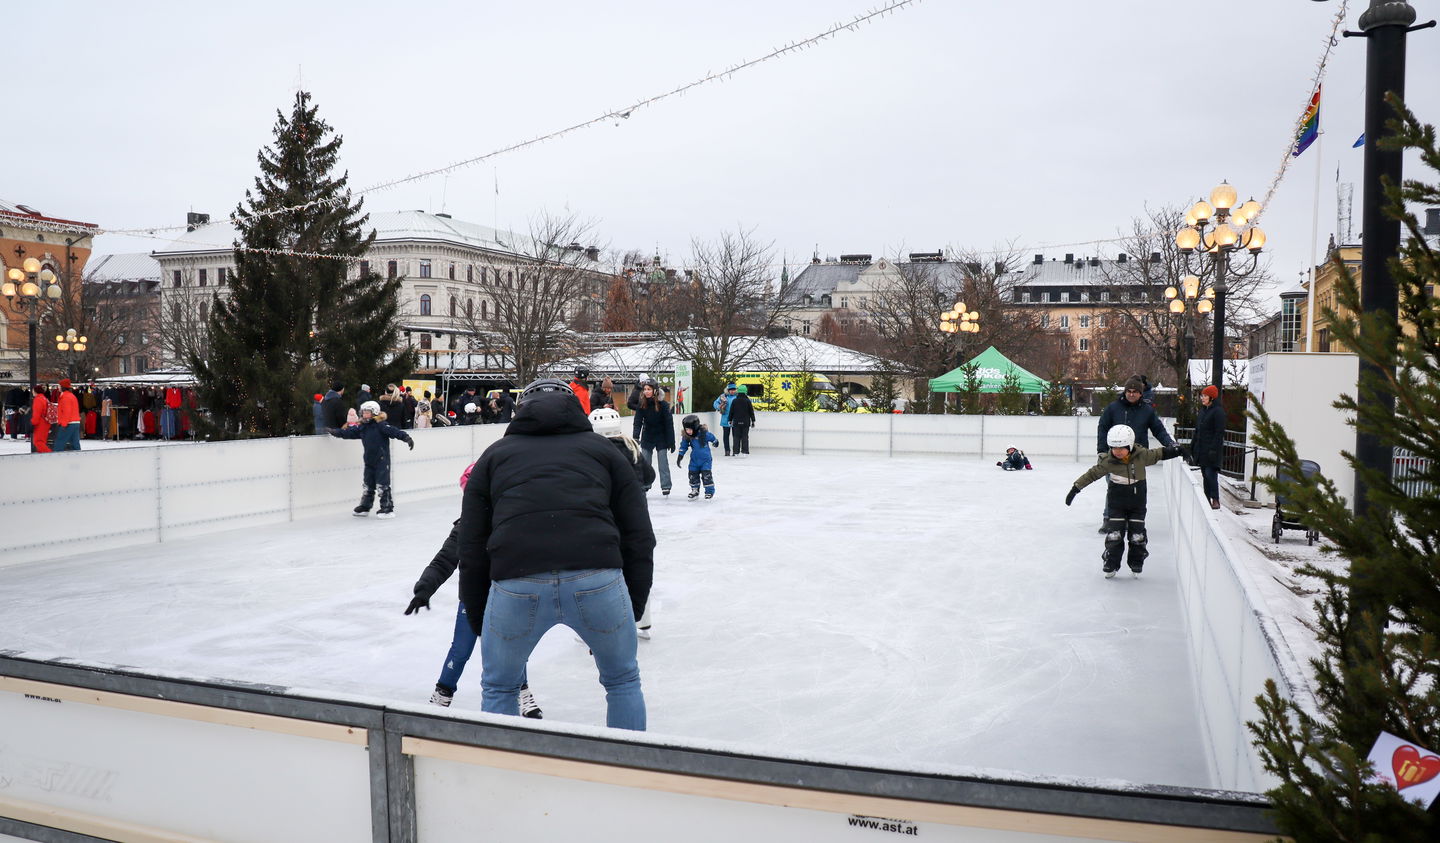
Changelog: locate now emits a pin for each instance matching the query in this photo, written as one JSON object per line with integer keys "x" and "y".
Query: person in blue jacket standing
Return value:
{"x": 698, "y": 441}
{"x": 722, "y": 406}
{"x": 375, "y": 435}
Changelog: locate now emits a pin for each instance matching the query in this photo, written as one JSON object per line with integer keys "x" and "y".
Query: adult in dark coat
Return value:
{"x": 458, "y": 405}
{"x": 408, "y": 419}
{"x": 742, "y": 418}
{"x": 1209, "y": 444}
{"x": 333, "y": 408}
{"x": 363, "y": 395}
{"x": 504, "y": 407}
{"x": 654, "y": 429}
{"x": 555, "y": 527}
{"x": 1129, "y": 409}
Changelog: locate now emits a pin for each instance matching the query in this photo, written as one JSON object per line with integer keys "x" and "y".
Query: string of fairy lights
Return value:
{"x": 614, "y": 116}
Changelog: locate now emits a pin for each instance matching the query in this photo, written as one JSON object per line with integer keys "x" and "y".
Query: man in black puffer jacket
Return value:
{"x": 555, "y": 528}
{"x": 1131, "y": 410}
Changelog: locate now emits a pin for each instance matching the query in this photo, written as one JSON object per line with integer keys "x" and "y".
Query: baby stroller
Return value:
{"x": 1286, "y": 516}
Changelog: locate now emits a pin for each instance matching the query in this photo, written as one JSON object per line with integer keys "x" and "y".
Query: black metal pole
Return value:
{"x": 1384, "y": 24}
{"x": 34, "y": 360}
{"x": 1217, "y": 355}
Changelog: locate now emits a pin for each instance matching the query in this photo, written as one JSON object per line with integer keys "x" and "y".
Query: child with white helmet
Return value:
{"x": 606, "y": 422}
{"x": 1125, "y": 464}
{"x": 375, "y": 434}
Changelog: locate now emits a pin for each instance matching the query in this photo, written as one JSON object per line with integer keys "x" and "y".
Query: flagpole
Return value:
{"x": 1314, "y": 238}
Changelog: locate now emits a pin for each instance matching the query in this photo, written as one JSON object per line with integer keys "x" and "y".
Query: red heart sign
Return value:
{"x": 1411, "y": 769}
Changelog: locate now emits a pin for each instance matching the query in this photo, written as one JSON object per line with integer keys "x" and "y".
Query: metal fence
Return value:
{"x": 1409, "y": 471}
{"x": 1233, "y": 457}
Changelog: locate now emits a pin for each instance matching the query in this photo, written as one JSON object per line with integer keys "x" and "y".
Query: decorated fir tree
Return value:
{"x": 299, "y": 312}
{"x": 1378, "y": 619}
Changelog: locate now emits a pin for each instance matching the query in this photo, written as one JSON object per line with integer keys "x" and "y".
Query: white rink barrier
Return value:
{"x": 1234, "y": 645}
{"x": 89, "y": 752}
{"x": 62, "y": 504}
{"x": 890, "y": 435}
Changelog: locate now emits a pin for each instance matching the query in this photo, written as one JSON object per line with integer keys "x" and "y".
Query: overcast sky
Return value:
{"x": 948, "y": 124}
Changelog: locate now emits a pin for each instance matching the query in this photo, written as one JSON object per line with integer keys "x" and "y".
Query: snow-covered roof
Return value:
{"x": 1237, "y": 372}
{"x": 131, "y": 266}
{"x": 787, "y": 354}
{"x": 389, "y": 226}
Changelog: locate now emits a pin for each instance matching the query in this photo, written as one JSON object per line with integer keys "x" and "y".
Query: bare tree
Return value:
{"x": 113, "y": 317}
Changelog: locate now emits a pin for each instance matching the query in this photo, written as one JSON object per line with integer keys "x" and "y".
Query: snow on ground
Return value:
{"x": 905, "y": 613}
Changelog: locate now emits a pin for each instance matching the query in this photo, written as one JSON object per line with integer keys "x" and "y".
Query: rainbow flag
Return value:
{"x": 1309, "y": 128}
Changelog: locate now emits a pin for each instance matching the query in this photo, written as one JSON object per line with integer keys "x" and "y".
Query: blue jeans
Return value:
{"x": 662, "y": 468}
{"x": 596, "y": 604}
{"x": 462, "y": 644}
{"x": 67, "y": 438}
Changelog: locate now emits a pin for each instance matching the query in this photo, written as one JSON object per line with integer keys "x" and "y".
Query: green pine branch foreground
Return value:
{"x": 1378, "y": 619}
{"x": 292, "y": 324}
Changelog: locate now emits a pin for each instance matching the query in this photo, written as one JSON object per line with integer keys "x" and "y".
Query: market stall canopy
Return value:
{"x": 993, "y": 369}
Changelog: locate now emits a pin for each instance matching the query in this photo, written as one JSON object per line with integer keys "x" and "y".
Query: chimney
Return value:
{"x": 1121, "y": 258}
{"x": 592, "y": 253}
{"x": 1154, "y": 257}
{"x": 1432, "y": 222}
{"x": 1039, "y": 259}
{"x": 1069, "y": 257}
{"x": 194, "y": 220}
{"x": 999, "y": 268}
{"x": 1094, "y": 261}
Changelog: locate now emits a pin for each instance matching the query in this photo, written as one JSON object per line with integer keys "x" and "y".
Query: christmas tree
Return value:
{"x": 1378, "y": 619}
{"x": 299, "y": 313}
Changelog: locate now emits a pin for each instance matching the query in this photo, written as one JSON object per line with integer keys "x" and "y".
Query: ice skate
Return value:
{"x": 442, "y": 697}
{"x": 709, "y": 495}
{"x": 642, "y": 632}
{"x": 367, "y": 500}
{"x": 694, "y": 493}
{"x": 1109, "y": 572}
{"x": 387, "y": 504}
{"x": 528, "y": 706}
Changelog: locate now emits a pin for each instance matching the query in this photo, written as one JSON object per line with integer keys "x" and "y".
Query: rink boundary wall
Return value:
{"x": 1234, "y": 645}
{"x": 115, "y": 754}
{"x": 124, "y": 497}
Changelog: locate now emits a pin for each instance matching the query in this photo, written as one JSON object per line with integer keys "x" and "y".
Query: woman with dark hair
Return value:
{"x": 655, "y": 431}
{"x": 1209, "y": 442}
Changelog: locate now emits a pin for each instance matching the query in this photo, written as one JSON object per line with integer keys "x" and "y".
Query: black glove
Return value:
{"x": 411, "y": 443}
{"x": 679, "y": 461}
{"x": 418, "y": 602}
{"x": 1070, "y": 498}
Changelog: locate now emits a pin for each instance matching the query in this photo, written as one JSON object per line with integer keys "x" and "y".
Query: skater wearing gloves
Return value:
{"x": 554, "y": 530}
{"x": 462, "y": 643}
{"x": 1131, "y": 410}
{"x": 1015, "y": 460}
{"x": 698, "y": 441}
{"x": 654, "y": 429}
{"x": 1209, "y": 444}
{"x": 1124, "y": 466}
{"x": 375, "y": 435}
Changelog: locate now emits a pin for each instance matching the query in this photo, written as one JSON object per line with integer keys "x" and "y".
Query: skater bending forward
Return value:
{"x": 698, "y": 441}
{"x": 462, "y": 643}
{"x": 554, "y": 530}
{"x": 1125, "y": 497}
{"x": 375, "y": 435}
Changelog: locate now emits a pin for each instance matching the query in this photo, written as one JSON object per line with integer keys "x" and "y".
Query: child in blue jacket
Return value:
{"x": 698, "y": 441}
{"x": 375, "y": 435}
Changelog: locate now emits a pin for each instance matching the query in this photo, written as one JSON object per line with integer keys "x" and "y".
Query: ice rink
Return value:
{"x": 907, "y": 613}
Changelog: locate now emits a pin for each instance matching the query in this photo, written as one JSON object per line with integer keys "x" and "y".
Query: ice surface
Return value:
{"x": 915, "y": 613}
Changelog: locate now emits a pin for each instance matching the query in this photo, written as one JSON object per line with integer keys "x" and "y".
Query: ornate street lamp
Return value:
{"x": 1213, "y": 231}
{"x": 27, "y": 287}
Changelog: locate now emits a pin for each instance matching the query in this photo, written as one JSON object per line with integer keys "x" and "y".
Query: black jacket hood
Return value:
{"x": 548, "y": 414}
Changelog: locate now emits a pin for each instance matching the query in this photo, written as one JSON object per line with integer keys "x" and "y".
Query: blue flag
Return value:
{"x": 1359, "y": 142}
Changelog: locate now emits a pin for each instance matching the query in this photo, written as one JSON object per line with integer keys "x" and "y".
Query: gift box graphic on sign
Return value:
{"x": 1410, "y": 769}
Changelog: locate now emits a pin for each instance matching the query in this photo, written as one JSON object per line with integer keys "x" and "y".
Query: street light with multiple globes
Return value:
{"x": 27, "y": 286}
{"x": 1205, "y": 256}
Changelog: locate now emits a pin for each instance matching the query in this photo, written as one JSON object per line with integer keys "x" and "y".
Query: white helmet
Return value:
{"x": 1120, "y": 436}
{"x": 470, "y": 408}
{"x": 372, "y": 406}
{"x": 605, "y": 422}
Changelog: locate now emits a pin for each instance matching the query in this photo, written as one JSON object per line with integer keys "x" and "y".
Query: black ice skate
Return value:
{"x": 709, "y": 495}
{"x": 528, "y": 706}
{"x": 387, "y": 504}
{"x": 1109, "y": 571}
{"x": 367, "y": 500}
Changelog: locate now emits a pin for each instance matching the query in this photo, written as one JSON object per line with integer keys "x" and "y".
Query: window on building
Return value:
{"x": 1101, "y": 320}
{"x": 484, "y": 309}
{"x": 1044, "y": 320}
{"x": 204, "y": 310}
{"x": 222, "y": 276}
{"x": 424, "y": 269}
{"x": 864, "y": 302}
{"x": 1104, "y": 343}
{"x": 805, "y": 327}
{"x": 1065, "y": 295}
{"x": 142, "y": 364}
{"x": 844, "y": 303}
{"x": 425, "y": 341}
{"x": 175, "y": 311}
{"x": 454, "y": 307}
{"x": 1084, "y": 343}
{"x": 364, "y": 268}
{"x": 1025, "y": 296}
{"x": 470, "y": 273}
{"x": 175, "y": 277}
{"x": 203, "y": 277}
{"x": 469, "y": 308}
{"x": 452, "y": 271}
{"x": 124, "y": 365}
{"x": 1104, "y": 295}
{"x": 392, "y": 269}
{"x": 425, "y": 305}
{"x": 452, "y": 342}
{"x": 1084, "y": 321}
{"x": 509, "y": 277}
{"x": 1064, "y": 322}
{"x": 1289, "y": 325}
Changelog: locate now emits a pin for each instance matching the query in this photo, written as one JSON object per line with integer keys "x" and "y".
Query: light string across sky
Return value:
{"x": 155, "y": 232}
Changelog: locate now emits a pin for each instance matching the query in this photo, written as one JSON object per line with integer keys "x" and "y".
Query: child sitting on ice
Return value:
{"x": 1125, "y": 499}
{"x": 697, "y": 440}
{"x": 1015, "y": 460}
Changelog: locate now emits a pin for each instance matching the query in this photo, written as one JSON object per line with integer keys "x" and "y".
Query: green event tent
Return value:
{"x": 993, "y": 367}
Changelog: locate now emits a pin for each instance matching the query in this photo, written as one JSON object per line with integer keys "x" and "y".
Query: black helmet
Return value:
{"x": 690, "y": 422}
{"x": 545, "y": 385}
{"x": 582, "y": 373}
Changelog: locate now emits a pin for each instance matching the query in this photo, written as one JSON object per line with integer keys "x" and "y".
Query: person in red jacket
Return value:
{"x": 39, "y": 425}
{"x": 581, "y": 390}
{"x": 67, "y": 438}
